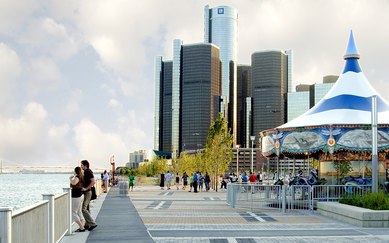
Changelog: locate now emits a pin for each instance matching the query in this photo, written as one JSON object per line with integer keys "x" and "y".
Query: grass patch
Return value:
{"x": 371, "y": 200}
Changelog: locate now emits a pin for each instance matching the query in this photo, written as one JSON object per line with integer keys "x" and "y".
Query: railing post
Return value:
{"x": 283, "y": 198}
{"x": 69, "y": 210}
{"x": 50, "y": 198}
{"x": 5, "y": 224}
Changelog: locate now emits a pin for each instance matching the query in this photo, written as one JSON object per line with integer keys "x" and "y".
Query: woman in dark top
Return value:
{"x": 162, "y": 183}
{"x": 76, "y": 183}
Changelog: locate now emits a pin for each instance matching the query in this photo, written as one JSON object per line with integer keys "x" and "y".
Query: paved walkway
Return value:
{"x": 182, "y": 216}
{"x": 118, "y": 221}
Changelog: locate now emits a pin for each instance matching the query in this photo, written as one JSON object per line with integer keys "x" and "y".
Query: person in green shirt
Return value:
{"x": 132, "y": 178}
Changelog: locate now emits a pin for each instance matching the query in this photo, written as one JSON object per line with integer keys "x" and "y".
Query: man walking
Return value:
{"x": 168, "y": 180}
{"x": 89, "y": 181}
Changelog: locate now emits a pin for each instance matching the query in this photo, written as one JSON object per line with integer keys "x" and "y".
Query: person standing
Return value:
{"x": 195, "y": 182}
{"x": 131, "y": 177}
{"x": 89, "y": 181}
{"x": 201, "y": 182}
{"x": 252, "y": 178}
{"x": 207, "y": 180}
{"x": 162, "y": 182}
{"x": 105, "y": 181}
{"x": 190, "y": 182}
{"x": 177, "y": 180}
{"x": 77, "y": 198}
{"x": 168, "y": 180}
{"x": 185, "y": 180}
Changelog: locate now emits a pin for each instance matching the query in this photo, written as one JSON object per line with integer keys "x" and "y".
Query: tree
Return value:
{"x": 218, "y": 149}
{"x": 342, "y": 168}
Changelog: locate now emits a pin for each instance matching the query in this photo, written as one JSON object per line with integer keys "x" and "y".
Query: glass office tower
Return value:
{"x": 157, "y": 101}
{"x": 201, "y": 76}
{"x": 243, "y": 91}
{"x": 298, "y": 104}
{"x": 176, "y": 89}
{"x": 220, "y": 28}
{"x": 269, "y": 79}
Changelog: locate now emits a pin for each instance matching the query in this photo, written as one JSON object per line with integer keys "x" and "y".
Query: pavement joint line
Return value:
{"x": 159, "y": 205}
{"x": 257, "y": 217}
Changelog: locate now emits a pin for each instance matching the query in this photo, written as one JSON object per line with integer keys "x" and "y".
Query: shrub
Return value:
{"x": 371, "y": 200}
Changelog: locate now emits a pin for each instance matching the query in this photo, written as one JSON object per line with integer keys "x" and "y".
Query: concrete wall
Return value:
{"x": 361, "y": 217}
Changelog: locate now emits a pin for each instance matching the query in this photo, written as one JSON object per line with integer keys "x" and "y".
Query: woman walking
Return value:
{"x": 162, "y": 182}
{"x": 77, "y": 198}
{"x": 177, "y": 180}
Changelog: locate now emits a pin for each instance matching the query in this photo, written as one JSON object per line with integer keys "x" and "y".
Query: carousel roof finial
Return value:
{"x": 351, "y": 56}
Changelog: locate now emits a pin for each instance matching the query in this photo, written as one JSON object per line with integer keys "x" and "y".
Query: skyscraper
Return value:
{"x": 243, "y": 104}
{"x": 201, "y": 78}
{"x": 269, "y": 89}
{"x": 220, "y": 28}
{"x": 188, "y": 90}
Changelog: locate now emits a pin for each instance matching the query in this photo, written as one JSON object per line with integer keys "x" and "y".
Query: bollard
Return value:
{"x": 123, "y": 188}
{"x": 69, "y": 210}
{"x": 284, "y": 199}
{"x": 5, "y": 224}
{"x": 50, "y": 198}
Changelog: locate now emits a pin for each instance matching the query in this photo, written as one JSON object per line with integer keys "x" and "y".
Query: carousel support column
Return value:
{"x": 278, "y": 163}
{"x": 294, "y": 165}
{"x": 374, "y": 156}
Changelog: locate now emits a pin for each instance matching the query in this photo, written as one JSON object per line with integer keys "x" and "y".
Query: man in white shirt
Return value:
{"x": 168, "y": 180}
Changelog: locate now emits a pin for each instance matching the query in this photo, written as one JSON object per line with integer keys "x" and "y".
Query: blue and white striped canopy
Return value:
{"x": 340, "y": 121}
{"x": 349, "y": 100}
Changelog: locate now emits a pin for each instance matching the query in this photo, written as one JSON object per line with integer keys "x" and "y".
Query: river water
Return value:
{"x": 21, "y": 190}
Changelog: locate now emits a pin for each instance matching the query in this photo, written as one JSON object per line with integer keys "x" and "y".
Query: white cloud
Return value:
{"x": 97, "y": 146}
{"x": 115, "y": 103}
{"x": 44, "y": 75}
{"x": 10, "y": 68}
{"x": 73, "y": 103}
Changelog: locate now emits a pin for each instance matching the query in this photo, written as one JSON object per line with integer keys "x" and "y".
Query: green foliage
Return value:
{"x": 371, "y": 200}
{"x": 153, "y": 168}
{"x": 342, "y": 168}
{"x": 218, "y": 149}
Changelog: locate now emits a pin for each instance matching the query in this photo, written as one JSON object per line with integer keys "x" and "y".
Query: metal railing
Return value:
{"x": 45, "y": 221}
{"x": 287, "y": 198}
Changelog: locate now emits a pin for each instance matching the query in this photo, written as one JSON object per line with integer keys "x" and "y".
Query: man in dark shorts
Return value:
{"x": 89, "y": 181}
{"x": 185, "y": 180}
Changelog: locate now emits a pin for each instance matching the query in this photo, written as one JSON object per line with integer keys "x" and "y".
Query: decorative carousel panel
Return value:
{"x": 302, "y": 141}
{"x": 361, "y": 139}
{"x": 267, "y": 144}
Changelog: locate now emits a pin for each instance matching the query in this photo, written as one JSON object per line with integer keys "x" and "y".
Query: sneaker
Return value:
{"x": 80, "y": 230}
{"x": 92, "y": 227}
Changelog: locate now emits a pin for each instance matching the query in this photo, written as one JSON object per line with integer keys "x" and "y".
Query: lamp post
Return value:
{"x": 252, "y": 138}
{"x": 237, "y": 160}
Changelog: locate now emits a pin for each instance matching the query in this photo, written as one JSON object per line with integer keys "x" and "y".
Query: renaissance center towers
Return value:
{"x": 220, "y": 29}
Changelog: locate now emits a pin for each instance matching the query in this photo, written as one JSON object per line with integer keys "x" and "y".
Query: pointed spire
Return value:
{"x": 351, "y": 51}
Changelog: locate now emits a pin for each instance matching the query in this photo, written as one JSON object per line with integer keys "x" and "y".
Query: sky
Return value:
{"x": 77, "y": 76}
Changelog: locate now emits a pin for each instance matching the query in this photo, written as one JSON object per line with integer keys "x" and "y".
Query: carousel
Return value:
{"x": 338, "y": 128}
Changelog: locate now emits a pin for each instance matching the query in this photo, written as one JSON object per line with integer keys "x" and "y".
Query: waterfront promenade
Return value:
{"x": 151, "y": 214}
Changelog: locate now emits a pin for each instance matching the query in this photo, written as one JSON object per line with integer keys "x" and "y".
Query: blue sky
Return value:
{"x": 77, "y": 76}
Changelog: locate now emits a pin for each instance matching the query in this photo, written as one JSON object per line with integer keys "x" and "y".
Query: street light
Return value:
{"x": 252, "y": 138}
{"x": 237, "y": 160}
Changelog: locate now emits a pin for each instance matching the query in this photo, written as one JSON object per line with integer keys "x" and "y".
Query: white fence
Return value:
{"x": 287, "y": 198}
{"x": 46, "y": 221}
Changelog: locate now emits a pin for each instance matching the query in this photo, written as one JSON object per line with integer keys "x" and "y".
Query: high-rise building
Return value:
{"x": 221, "y": 28}
{"x": 188, "y": 90}
{"x": 243, "y": 92}
{"x": 201, "y": 79}
{"x": 298, "y": 103}
{"x": 137, "y": 157}
{"x": 306, "y": 96}
{"x": 269, "y": 89}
